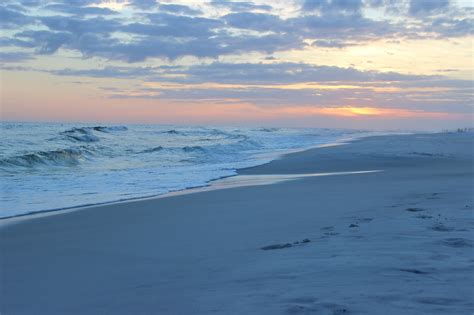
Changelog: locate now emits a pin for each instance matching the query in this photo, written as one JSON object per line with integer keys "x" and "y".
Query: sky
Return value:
{"x": 378, "y": 64}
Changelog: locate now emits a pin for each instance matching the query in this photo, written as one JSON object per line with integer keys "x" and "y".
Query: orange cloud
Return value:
{"x": 350, "y": 111}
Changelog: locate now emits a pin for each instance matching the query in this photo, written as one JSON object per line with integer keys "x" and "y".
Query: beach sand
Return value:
{"x": 398, "y": 241}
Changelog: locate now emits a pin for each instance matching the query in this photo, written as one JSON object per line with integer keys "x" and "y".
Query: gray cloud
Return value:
{"x": 77, "y": 26}
{"x": 255, "y": 21}
{"x": 264, "y": 85}
{"x": 418, "y": 7}
{"x": 12, "y": 17}
{"x": 331, "y": 43}
{"x": 344, "y": 6}
{"x": 173, "y": 30}
{"x": 283, "y": 73}
{"x": 453, "y": 27}
{"x": 342, "y": 27}
{"x": 143, "y": 4}
{"x": 79, "y": 10}
{"x": 247, "y": 74}
{"x": 45, "y": 42}
{"x": 240, "y": 5}
{"x": 454, "y": 101}
{"x": 179, "y": 9}
{"x": 6, "y": 57}
{"x": 107, "y": 72}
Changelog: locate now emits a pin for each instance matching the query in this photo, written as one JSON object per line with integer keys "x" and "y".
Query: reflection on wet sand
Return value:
{"x": 256, "y": 180}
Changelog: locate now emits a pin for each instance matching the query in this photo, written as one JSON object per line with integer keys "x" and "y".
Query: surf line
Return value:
{"x": 257, "y": 180}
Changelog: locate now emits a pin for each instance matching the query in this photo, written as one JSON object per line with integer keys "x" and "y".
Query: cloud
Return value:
{"x": 289, "y": 84}
{"x": 163, "y": 35}
{"x": 198, "y": 27}
{"x": 418, "y": 7}
{"x": 359, "y": 96}
{"x": 77, "y": 26}
{"x": 172, "y": 48}
{"x": 107, "y": 72}
{"x": 6, "y": 57}
{"x": 341, "y": 6}
{"x": 179, "y": 9}
{"x": 247, "y": 74}
{"x": 342, "y": 27}
{"x": 310, "y": 5}
{"x": 11, "y": 17}
{"x": 143, "y": 4}
{"x": 240, "y": 6}
{"x": 450, "y": 28}
{"x": 254, "y": 21}
{"x": 45, "y": 42}
{"x": 127, "y": 35}
{"x": 281, "y": 73}
{"x": 172, "y": 31}
{"x": 331, "y": 43}
{"x": 79, "y": 10}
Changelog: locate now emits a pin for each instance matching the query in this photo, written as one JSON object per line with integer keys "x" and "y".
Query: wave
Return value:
{"x": 188, "y": 149}
{"x": 60, "y": 157}
{"x": 203, "y": 132}
{"x": 156, "y": 149}
{"x": 78, "y": 171}
{"x": 172, "y": 132}
{"x": 193, "y": 149}
{"x": 268, "y": 129}
{"x": 83, "y": 134}
{"x": 117, "y": 128}
{"x": 243, "y": 143}
{"x": 86, "y": 134}
{"x": 109, "y": 128}
{"x": 240, "y": 146}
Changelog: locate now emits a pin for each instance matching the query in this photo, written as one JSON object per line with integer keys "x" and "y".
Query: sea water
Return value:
{"x": 48, "y": 166}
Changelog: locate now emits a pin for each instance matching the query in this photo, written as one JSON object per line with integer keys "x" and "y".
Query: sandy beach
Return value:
{"x": 395, "y": 241}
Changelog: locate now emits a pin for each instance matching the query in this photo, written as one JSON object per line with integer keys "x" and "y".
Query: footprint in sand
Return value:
{"x": 331, "y": 233}
{"x": 457, "y": 242}
{"x": 415, "y": 271}
{"x": 434, "y": 196}
{"x": 424, "y": 216}
{"x": 440, "y": 227}
{"x": 276, "y": 246}
{"x": 306, "y": 240}
{"x": 308, "y": 306}
{"x": 286, "y": 245}
{"x": 415, "y": 209}
{"x": 438, "y": 301}
{"x": 327, "y": 228}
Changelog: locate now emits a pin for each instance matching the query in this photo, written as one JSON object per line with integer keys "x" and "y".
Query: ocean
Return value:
{"x": 49, "y": 166}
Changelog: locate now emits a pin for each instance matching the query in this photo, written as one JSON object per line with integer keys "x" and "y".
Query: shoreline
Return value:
{"x": 213, "y": 184}
{"x": 397, "y": 241}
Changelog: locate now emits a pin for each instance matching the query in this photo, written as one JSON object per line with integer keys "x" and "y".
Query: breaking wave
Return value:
{"x": 80, "y": 134}
{"x": 61, "y": 157}
{"x": 110, "y": 128}
{"x": 172, "y": 132}
{"x": 268, "y": 129}
{"x": 155, "y": 149}
{"x": 86, "y": 134}
{"x": 193, "y": 149}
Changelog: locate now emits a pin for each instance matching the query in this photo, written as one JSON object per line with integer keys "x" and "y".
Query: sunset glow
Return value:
{"x": 402, "y": 62}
